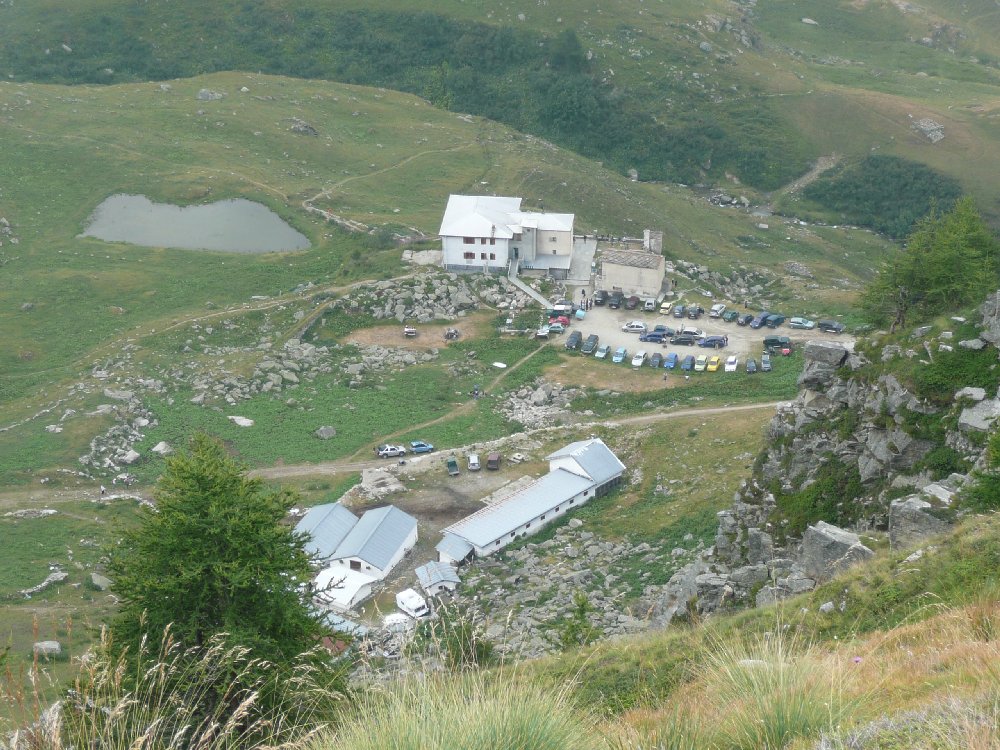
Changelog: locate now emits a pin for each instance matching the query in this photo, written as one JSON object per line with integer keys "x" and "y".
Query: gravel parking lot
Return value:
{"x": 743, "y": 340}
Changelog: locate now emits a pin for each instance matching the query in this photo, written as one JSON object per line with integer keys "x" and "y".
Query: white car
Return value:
{"x": 717, "y": 310}
{"x": 803, "y": 323}
{"x": 390, "y": 451}
{"x": 474, "y": 462}
{"x": 732, "y": 363}
{"x": 634, "y": 326}
{"x": 690, "y": 331}
{"x": 639, "y": 358}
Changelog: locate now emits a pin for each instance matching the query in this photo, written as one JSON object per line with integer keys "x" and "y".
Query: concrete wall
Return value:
{"x": 645, "y": 282}
{"x": 453, "y": 250}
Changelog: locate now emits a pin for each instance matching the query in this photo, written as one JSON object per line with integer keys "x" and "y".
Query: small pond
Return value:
{"x": 236, "y": 225}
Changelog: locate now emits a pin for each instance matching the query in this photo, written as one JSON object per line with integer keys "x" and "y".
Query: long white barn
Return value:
{"x": 578, "y": 473}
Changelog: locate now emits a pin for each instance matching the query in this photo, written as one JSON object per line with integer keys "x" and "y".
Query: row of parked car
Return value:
{"x": 684, "y": 363}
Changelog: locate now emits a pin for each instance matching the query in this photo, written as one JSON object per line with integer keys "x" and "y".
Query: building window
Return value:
{"x": 482, "y": 240}
{"x": 553, "y": 239}
{"x": 355, "y": 565}
{"x": 554, "y": 251}
{"x": 493, "y": 240}
{"x": 468, "y": 240}
{"x": 493, "y": 256}
{"x": 517, "y": 236}
{"x": 542, "y": 518}
{"x": 470, "y": 256}
{"x": 512, "y": 535}
{"x": 482, "y": 256}
{"x": 557, "y": 509}
{"x": 572, "y": 501}
{"x": 527, "y": 525}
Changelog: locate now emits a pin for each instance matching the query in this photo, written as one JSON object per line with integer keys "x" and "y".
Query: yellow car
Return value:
{"x": 714, "y": 363}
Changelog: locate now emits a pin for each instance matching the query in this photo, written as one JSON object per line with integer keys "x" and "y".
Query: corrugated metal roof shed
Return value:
{"x": 341, "y": 624}
{"x": 495, "y": 521}
{"x": 326, "y": 526}
{"x": 453, "y": 547}
{"x": 377, "y": 536}
{"x": 435, "y": 572}
{"x": 632, "y": 259}
{"x": 593, "y": 457}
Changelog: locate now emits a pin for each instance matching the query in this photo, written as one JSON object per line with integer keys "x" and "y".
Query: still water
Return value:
{"x": 235, "y": 225}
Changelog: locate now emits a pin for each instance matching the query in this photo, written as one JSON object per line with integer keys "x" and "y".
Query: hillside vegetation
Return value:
{"x": 686, "y": 91}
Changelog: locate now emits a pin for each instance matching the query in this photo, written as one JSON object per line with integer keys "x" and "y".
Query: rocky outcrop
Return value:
{"x": 910, "y": 521}
{"x": 828, "y": 550}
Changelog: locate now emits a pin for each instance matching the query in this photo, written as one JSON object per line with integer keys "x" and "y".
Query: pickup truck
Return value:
{"x": 452, "y": 465}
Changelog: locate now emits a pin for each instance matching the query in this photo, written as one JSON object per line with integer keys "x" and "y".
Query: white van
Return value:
{"x": 410, "y": 602}
{"x": 717, "y": 310}
{"x": 474, "y": 462}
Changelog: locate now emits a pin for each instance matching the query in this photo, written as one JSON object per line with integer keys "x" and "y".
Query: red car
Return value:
{"x": 559, "y": 319}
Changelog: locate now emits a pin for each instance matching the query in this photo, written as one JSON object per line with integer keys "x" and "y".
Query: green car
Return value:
{"x": 730, "y": 315}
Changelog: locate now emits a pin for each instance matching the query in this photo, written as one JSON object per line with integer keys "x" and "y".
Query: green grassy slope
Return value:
{"x": 756, "y": 93}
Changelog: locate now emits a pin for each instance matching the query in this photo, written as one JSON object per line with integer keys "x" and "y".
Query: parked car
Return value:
{"x": 701, "y": 363}
{"x": 615, "y": 300}
{"x": 632, "y": 302}
{"x": 714, "y": 363}
{"x": 830, "y": 326}
{"x": 619, "y": 356}
{"x": 688, "y": 363}
{"x": 634, "y": 326}
{"x": 759, "y": 319}
{"x": 732, "y": 363}
{"x": 655, "y": 360}
{"x": 777, "y": 343}
{"x": 557, "y": 328}
{"x": 452, "y": 466}
{"x": 474, "y": 462}
{"x": 390, "y": 451}
{"x": 682, "y": 339}
{"x": 542, "y": 332}
{"x": 573, "y": 340}
{"x": 649, "y": 305}
{"x": 765, "y": 362}
{"x": 419, "y": 446}
{"x": 590, "y": 344}
{"x": 655, "y": 337}
{"x": 493, "y": 461}
{"x": 774, "y": 320}
{"x": 695, "y": 311}
{"x": 602, "y": 351}
{"x": 692, "y": 331}
{"x": 639, "y": 358}
{"x": 729, "y": 316}
{"x": 679, "y": 311}
{"x": 803, "y": 323}
{"x": 744, "y": 319}
{"x": 714, "y": 342}
{"x": 716, "y": 310}
{"x": 561, "y": 319}
{"x": 670, "y": 361}
{"x": 751, "y": 366}
{"x": 665, "y": 330}
{"x": 666, "y": 307}
{"x": 600, "y": 297}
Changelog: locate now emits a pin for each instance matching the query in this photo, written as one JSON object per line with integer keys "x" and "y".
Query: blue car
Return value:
{"x": 419, "y": 446}
{"x": 670, "y": 361}
{"x": 620, "y": 354}
{"x": 688, "y": 363}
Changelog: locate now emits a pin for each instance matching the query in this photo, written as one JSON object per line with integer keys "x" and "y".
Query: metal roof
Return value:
{"x": 326, "y": 526}
{"x": 496, "y": 216}
{"x": 341, "y": 624}
{"x": 435, "y": 572}
{"x": 495, "y": 521}
{"x": 633, "y": 259}
{"x": 377, "y": 536}
{"x": 594, "y": 459}
{"x": 454, "y": 547}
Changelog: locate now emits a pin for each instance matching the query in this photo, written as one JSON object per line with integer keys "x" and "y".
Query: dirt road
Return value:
{"x": 335, "y": 467}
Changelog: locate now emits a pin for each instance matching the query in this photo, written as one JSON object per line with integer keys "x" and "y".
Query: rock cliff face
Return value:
{"x": 855, "y": 448}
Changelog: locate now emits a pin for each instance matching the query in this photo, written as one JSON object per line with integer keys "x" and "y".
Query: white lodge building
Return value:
{"x": 485, "y": 233}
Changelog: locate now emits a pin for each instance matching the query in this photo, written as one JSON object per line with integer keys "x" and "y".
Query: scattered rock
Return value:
{"x": 325, "y": 433}
{"x": 207, "y": 95}
{"x": 162, "y": 449}
{"x": 47, "y": 649}
{"x": 99, "y": 582}
{"x": 828, "y": 549}
{"x": 241, "y": 421}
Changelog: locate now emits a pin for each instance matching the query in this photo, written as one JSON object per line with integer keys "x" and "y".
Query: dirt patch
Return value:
{"x": 591, "y": 373}
{"x": 429, "y": 335}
